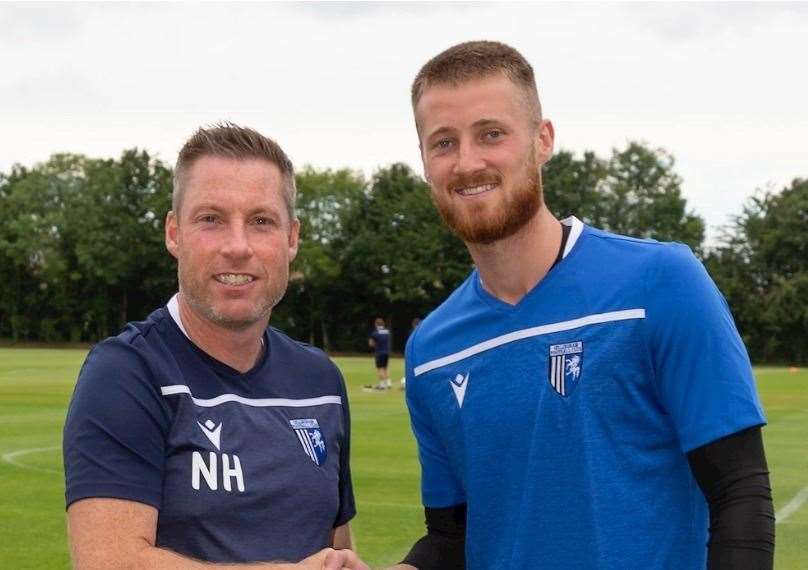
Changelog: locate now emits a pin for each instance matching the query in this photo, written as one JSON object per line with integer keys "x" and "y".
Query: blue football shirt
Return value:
{"x": 563, "y": 421}
{"x": 241, "y": 467}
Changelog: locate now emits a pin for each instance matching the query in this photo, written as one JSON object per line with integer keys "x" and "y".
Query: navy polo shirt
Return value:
{"x": 241, "y": 466}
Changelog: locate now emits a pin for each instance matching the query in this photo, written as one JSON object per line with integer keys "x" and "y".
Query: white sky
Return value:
{"x": 723, "y": 86}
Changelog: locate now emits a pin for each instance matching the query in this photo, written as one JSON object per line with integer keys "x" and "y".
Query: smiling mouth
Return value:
{"x": 234, "y": 278}
{"x": 476, "y": 190}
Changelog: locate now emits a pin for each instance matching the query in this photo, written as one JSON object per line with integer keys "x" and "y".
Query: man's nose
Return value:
{"x": 469, "y": 159}
{"x": 237, "y": 243}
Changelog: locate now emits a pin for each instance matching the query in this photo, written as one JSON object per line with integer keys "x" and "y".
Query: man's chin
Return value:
{"x": 484, "y": 232}
{"x": 239, "y": 320}
{"x": 234, "y": 318}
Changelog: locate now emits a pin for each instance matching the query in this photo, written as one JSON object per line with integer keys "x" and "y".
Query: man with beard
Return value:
{"x": 582, "y": 400}
{"x": 201, "y": 435}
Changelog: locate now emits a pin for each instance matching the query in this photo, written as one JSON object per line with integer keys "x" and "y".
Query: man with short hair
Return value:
{"x": 583, "y": 399}
{"x": 200, "y": 435}
{"x": 379, "y": 341}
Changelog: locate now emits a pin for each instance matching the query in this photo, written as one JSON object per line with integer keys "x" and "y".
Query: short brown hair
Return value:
{"x": 476, "y": 60}
{"x": 228, "y": 140}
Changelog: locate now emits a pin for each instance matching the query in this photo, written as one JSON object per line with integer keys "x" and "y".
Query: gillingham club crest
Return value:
{"x": 311, "y": 438}
{"x": 566, "y": 364}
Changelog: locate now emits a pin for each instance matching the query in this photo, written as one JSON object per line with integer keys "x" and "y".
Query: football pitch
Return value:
{"x": 36, "y": 384}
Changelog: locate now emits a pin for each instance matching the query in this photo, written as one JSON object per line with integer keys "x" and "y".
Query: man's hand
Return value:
{"x": 330, "y": 559}
{"x": 114, "y": 533}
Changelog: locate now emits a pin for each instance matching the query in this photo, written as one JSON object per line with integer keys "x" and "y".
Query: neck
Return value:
{"x": 511, "y": 267}
{"x": 239, "y": 349}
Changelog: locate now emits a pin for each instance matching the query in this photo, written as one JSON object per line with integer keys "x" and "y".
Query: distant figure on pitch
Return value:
{"x": 379, "y": 340}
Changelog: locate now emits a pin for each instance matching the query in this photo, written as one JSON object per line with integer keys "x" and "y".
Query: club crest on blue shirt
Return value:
{"x": 566, "y": 365}
{"x": 311, "y": 438}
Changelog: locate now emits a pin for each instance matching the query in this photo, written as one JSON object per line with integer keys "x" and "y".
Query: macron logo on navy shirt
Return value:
{"x": 214, "y": 435}
{"x": 209, "y": 470}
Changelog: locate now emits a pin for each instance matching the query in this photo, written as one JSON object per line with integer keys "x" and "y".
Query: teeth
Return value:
{"x": 234, "y": 278}
{"x": 474, "y": 190}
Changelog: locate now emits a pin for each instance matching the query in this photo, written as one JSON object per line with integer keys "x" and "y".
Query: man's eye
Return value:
{"x": 262, "y": 221}
{"x": 442, "y": 144}
{"x": 493, "y": 134}
{"x": 208, "y": 219}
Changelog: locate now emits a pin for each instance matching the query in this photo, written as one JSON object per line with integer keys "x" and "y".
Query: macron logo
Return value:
{"x": 212, "y": 431}
{"x": 459, "y": 386}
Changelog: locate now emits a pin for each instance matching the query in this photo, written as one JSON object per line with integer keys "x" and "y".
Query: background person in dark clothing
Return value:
{"x": 379, "y": 340}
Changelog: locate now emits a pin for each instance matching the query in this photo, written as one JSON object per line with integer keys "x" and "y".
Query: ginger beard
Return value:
{"x": 195, "y": 292}
{"x": 482, "y": 223}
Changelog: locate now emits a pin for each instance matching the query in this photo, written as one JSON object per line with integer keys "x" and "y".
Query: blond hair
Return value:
{"x": 477, "y": 60}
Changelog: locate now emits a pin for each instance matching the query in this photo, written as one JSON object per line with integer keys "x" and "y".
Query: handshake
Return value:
{"x": 332, "y": 559}
{"x": 338, "y": 559}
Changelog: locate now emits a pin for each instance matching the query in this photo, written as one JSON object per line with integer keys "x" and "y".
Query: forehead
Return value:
{"x": 231, "y": 180}
{"x": 249, "y": 171}
{"x": 456, "y": 106}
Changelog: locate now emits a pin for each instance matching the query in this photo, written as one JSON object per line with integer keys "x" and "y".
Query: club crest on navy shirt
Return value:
{"x": 311, "y": 438}
{"x": 566, "y": 366}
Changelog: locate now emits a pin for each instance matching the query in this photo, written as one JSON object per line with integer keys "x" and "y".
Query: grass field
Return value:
{"x": 35, "y": 386}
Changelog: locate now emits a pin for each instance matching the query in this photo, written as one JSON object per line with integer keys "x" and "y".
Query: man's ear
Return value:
{"x": 171, "y": 233}
{"x": 545, "y": 141}
{"x": 294, "y": 239}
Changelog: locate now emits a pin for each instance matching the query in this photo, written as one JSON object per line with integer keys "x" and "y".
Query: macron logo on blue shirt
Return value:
{"x": 459, "y": 384}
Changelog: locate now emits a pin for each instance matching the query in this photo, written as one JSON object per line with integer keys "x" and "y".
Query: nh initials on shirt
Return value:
{"x": 209, "y": 471}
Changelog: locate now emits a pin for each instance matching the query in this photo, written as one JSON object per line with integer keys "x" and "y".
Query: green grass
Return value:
{"x": 35, "y": 387}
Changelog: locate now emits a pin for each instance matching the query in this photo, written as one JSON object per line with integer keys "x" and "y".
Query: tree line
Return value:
{"x": 82, "y": 253}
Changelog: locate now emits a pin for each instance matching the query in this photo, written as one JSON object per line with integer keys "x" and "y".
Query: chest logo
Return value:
{"x": 459, "y": 384}
{"x": 311, "y": 438}
{"x": 213, "y": 432}
{"x": 566, "y": 366}
{"x": 218, "y": 470}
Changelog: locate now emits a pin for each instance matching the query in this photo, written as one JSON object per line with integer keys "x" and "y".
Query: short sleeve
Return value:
{"x": 439, "y": 486}
{"x": 701, "y": 366}
{"x": 347, "y": 504}
{"x": 116, "y": 428}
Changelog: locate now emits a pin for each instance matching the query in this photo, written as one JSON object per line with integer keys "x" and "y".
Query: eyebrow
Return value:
{"x": 477, "y": 124}
{"x": 267, "y": 210}
{"x": 440, "y": 131}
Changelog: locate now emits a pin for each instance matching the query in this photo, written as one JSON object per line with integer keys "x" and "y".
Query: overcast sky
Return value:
{"x": 722, "y": 86}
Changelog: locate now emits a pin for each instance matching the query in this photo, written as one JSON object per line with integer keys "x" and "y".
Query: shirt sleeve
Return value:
{"x": 116, "y": 428}
{"x": 439, "y": 485}
{"x": 703, "y": 374}
{"x": 347, "y": 504}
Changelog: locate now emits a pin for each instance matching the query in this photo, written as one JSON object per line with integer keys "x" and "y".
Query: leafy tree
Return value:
{"x": 636, "y": 192}
{"x": 324, "y": 200}
{"x": 643, "y": 198}
{"x": 120, "y": 243}
{"x": 81, "y": 234}
{"x": 34, "y": 242}
{"x": 572, "y": 187}
{"x": 399, "y": 259}
{"x": 762, "y": 267}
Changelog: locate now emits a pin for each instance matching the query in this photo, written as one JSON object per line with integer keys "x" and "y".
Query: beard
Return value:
{"x": 200, "y": 300}
{"x": 485, "y": 224}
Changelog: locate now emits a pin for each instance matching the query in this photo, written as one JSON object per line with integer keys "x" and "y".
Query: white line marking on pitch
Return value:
{"x": 793, "y": 505}
{"x": 11, "y": 457}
